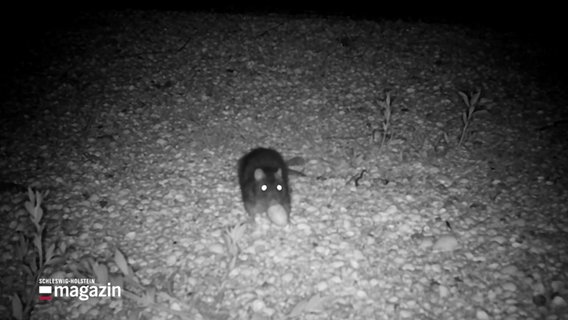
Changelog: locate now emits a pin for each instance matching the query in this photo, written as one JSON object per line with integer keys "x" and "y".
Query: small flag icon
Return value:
{"x": 44, "y": 293}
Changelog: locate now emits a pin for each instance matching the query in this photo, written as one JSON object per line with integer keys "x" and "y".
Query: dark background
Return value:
{"x": 540, "y": 24}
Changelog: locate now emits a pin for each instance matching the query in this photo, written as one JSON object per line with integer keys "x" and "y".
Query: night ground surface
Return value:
{"x": 134, "y": 122}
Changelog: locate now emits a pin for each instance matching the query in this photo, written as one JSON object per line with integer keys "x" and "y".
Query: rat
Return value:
{"x": 263, "y": 178}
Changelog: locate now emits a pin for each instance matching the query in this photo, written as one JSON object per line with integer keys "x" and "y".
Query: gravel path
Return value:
{"x": 134, "y": 122}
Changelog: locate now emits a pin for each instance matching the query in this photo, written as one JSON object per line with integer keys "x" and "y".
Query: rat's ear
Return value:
{"x": 259, "y": 174}
{"x": 278, "y": 173}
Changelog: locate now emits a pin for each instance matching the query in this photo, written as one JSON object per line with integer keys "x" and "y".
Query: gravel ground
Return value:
{"x": 134, "y": 122}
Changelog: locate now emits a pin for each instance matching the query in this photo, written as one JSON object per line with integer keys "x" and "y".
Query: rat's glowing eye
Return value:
{"x": 279, "y": 187}
{"x": 263, "y": 187}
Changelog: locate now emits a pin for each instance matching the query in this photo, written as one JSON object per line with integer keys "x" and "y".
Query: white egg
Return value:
{"x": 278, "y": 215}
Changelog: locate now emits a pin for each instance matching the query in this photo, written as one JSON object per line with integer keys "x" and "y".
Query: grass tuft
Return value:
{"x": 386, "y": 129}
{"x": 34, "y": 256}
{"x": 471, "y": 102}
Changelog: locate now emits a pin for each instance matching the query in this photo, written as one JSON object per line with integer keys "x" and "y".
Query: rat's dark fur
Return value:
{"x": 263, "y": 178}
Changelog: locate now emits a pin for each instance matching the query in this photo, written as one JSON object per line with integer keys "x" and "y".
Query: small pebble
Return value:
{"x": 443, "y": 291}
{"x": 360, "y": 294}
{"x": 556, "y": 285}
{"x": 258, "y": 305}
{"x": 446, "y": 243}
{"x": 408, "y": 267}
{"x": 406, "y": 314}
{"x": 393, "y": 299}
{"x": 436, "y": 268}
{"x": 175, "y": 306}
{"x": 499, "y": 239}
{"x": 539, "y": 288}
{"x": 509, "y": 286}
{"x": 171, "y": 260}
{"x": 558, "y": 302}
{"x": 481, "y": 315}
{"x": 426, "y": 243}
{"x": 391, "y": 210}
{"x": 354, "y": 264}
{"x": 510, "y": 270}
{"x": 287, "y": 277}
{"x": 322, "y": 286}
{"x": 217, "y": 248}
{"x": 123, "y": 193}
